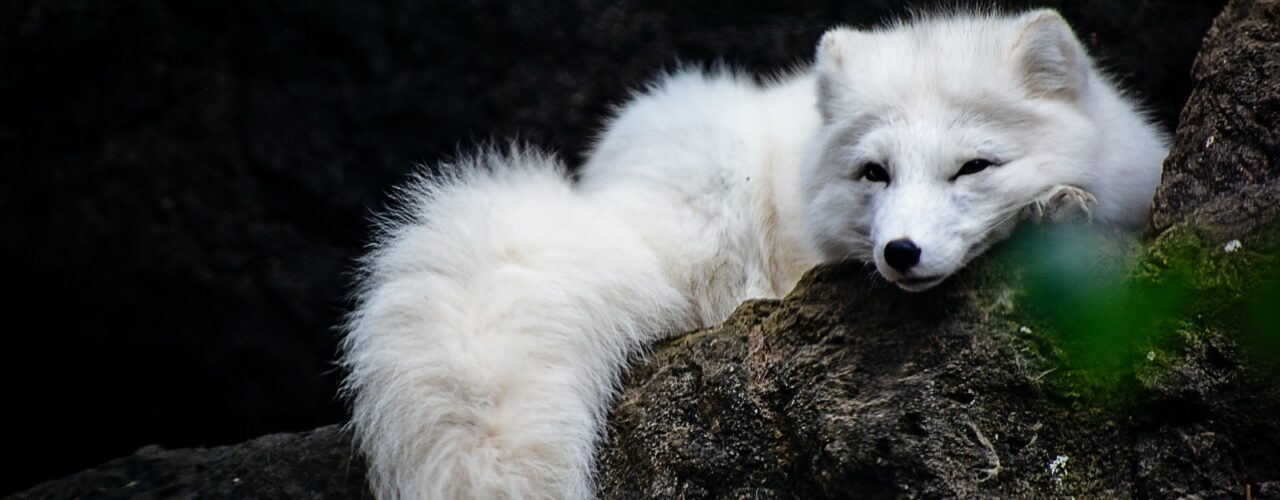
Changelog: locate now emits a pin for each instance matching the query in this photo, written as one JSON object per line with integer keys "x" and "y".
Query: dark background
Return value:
{"x": 184, "y": 184}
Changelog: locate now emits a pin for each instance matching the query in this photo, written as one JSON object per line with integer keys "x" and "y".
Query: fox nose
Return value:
{"x": 901, "y": 254}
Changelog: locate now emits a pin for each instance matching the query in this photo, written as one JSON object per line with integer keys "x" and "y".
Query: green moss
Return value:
{"x": 1110, "y": 317}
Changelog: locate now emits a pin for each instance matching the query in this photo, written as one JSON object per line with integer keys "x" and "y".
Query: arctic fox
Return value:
{"x": 499, "y": 304}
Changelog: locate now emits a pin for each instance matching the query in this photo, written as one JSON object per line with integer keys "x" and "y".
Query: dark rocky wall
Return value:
{"x": 183, "y": 184}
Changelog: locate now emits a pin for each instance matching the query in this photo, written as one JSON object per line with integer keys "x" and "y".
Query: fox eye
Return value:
{"x": 874, "y": 172}
{"x": 973, "y": 167}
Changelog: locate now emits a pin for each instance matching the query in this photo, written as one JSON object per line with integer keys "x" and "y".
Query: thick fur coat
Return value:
{"x": 500, "y": 303}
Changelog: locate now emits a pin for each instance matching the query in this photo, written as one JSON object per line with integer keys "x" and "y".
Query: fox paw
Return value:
{"x": 1063, "y": 204}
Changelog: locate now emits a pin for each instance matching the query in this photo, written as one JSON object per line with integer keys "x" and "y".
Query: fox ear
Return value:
{"x": 833, "y": 53}
{"x": 1052, "y": 61}
{"x": 834, "y": 48}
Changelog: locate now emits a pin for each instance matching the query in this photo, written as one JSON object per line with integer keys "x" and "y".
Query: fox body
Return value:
{"x": 500, "y": 303}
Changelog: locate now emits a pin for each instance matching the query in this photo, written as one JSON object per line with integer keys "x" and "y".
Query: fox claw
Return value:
{"x": 1063, "y": 204}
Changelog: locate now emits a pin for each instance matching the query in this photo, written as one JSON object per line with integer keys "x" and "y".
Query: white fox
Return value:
{"x": 499, "y": 305}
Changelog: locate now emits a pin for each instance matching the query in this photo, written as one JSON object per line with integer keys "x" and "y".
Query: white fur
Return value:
{"x": 495, "y": 315}
{"x": 923, "y": 99}
{"x": 500, "y": 304}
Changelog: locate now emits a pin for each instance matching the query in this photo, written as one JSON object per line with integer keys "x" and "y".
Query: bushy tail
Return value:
{"x": 493, "y": 316}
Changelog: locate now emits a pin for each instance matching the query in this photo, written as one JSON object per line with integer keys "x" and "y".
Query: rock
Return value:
{"x": 1228, "y": 141}
{"x": 316, "y": 464}
{"x": 847, "y": 388}
{"x": 850, "y": 388}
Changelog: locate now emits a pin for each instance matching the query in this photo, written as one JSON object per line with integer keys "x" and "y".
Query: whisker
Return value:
{"x": 1012, "y": 211}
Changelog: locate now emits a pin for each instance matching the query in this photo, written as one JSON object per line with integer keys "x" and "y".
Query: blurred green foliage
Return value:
{"x": 1263, "y": 340}
{"x": 1113, "y": 312}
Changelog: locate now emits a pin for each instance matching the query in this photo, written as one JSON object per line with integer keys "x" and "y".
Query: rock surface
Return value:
{"x": 315, "y": 464}
{"x": 1225, "y": 169}
{"x": 848, "y": 388}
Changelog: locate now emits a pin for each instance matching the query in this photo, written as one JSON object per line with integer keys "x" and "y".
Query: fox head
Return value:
{"x": 938, "y": 134}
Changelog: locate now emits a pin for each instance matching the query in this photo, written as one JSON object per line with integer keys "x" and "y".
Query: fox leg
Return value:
{"x": 1062, "y": 203}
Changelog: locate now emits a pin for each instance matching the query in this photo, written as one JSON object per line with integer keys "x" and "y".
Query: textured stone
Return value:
{"x": 1227, "y": 166}
{"x": 315, "y": 465}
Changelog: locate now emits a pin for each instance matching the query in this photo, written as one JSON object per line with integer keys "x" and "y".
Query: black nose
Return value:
{"x": 901, "y": 254}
